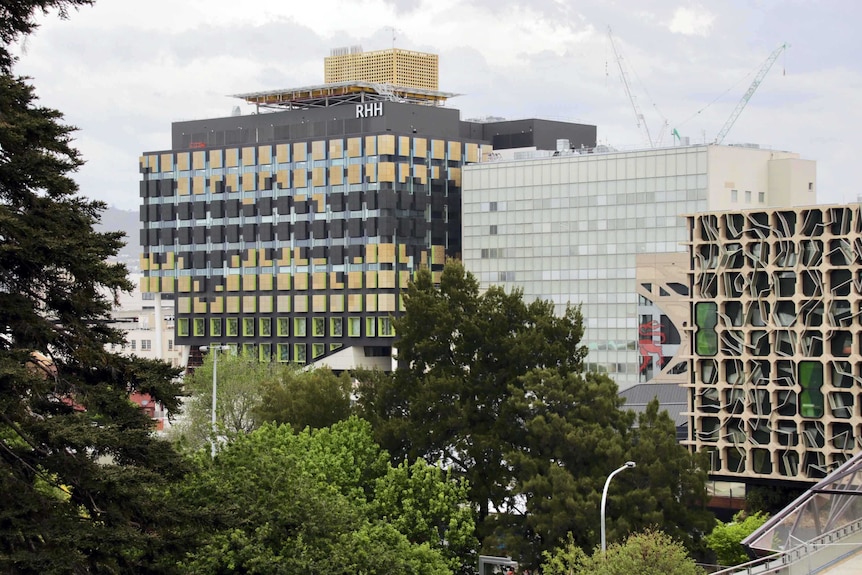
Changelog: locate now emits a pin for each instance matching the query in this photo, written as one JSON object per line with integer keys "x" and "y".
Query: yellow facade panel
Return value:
{"x": 386, "y": 253}
{"x": 386, "y": 279}
{"x": 300, "y": 261}
{"x": 402, "y": 254}
{"x": 318, "y": 303}
{"x": 300, "y": 281}
{"x": 232, "y": 304}
{"x": 318, "y": 176}
{"x": 262, "y": 260}
{"x": 249, "y": 259}
{"x": 371, "y": 302}
{"x": 282, "y": 177}
{"x": 386, "y": 144}
{"x": 217, "y": 305}
{"x": 300, "y": 303}
{"x": 336, "y": 148}
{"x": 371, "y": 279}
{"x": 264, "y": 304}
{"x": 184, "y": 305}
{"x": 233, "y": 283}
{"x": 455, "y": 175}
{"x": 182, "y": 186}
{"x": 336, "y": 303}
{"x": 386, "y": 172}
{"x": 249, "y": 283}
{"x": 371, "y": 172}
{"x": 371, "y": 253}
{"x": 183, "y": 161}
{"x": 354, "y": 302}
{"x": 283, "y": 255}
{"x": 231, "y": 183}
{"x": 282, "y": 153}
{"x": 404, "y": 280}
{"x": 261, "y": 180}
{"x": 404, "y": 146}
{"x": 249, "y": 304}
{"x": 184, "y": 284}
{"x": 420, "y": 147}
{"x": 200, "y": 305}
{"x": 354, "y": 147}
{"x": 318, "y": 150}
{"x": 386, "y": 302}
{"x": 234, "y": 261}
{"x": 283, "y": 303}
{"x": 455, "y": 151}
{"x": 421, "y": 172}
{"x": 318, "y": 280}
{"x": 167, "y": 285}
{"x": 198, "y": 285}
{"x": 300, "y": 151}
{"x": 472, "y": 153}
{"x": 199, "y": 160}
{"x": 438, "y": 149}
{"x": 435, "y": 172}
{"x": 336, "y": 175}
{"x": 354, "y": 174}
{"x": 333, "y": 281}
{"x": 216, "y": 159}
{"x": 354, "y": 280}
{"x": 283, "y": 282}
{"x": 166, "y": 163}
{"x": 300, "y": 178}
{"x": 231, "y": 158}
{"x": 248, "y": 182}
{"x": 371, "y": 145}
{"x": 144, "y": 262}
{"x": 214, "y": 180}
{"x": 198, "y": 185}
{"x": 438, "y": 255}
{"x": 403, "y": 172}
{"x": 264, "y": 155}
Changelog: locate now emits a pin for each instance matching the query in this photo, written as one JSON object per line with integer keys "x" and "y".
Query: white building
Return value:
{"x": 606, "y": 229}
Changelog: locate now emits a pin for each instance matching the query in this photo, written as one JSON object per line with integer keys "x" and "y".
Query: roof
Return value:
{"x": 325, "y": 95}
{"x": 671, "y": 397}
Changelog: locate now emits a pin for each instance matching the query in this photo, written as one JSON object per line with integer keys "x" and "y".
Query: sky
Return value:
{"x": 122, "y": 70}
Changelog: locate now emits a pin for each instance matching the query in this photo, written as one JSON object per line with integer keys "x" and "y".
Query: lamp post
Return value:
{"x": 627, "y": 465}
{"x": 216, "y": 349}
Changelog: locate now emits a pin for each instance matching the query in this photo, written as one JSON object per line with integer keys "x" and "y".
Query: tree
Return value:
{"x": 82, "y": 474}
{"x": 314, "y": 398}
{"x": 725, "y": 540}
{"x": 323, "y": 501}
{"x": 649, "y": 552}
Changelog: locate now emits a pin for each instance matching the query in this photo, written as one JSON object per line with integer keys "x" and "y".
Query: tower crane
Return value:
{"x": 639, "y": 117}
{"x": 761, "y": 74}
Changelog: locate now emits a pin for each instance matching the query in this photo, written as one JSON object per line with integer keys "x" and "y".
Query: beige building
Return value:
{"x": 393, "y": 66}
{"x": 776, "y": 382}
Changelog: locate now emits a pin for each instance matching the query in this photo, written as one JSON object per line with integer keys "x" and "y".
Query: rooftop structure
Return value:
{"x": 392, "y": 66}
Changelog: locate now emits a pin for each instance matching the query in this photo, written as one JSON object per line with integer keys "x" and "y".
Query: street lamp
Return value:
{"x": 215, "y": 348}
{"x": 627, "y": 465}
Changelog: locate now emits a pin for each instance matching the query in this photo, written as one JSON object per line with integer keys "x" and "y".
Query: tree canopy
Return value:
{"x": 725, "y": 540}
{"x": 81, "y": 471}
{"x": 327, "y": 501}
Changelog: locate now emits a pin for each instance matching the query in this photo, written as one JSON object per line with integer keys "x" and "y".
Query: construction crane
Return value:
{"x": 639, "y": 117}
{"x": 761, "y": 74}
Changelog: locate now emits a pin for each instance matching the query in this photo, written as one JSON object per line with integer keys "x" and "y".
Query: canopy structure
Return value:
{"x": 832, "y": 507}
{"x": 325, "y": 95}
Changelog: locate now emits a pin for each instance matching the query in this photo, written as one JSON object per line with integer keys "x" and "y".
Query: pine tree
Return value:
{"x": 80, "y": 470}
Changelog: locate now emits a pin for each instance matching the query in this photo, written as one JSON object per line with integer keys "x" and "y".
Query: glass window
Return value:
{"x": 299, "y": 326}
{"x": 183, "y": 327}
{"x": 200, "y": 326}
{"x": 248, "y": 326}
{"x": 318, "y": 327}
{"x": 283, "y": 350}
{"x": 734, "y": 196}
{"x": 747, "y": 196}
{"x": 299, "y": 353}
{"x": 265, "y": 326}
{"x": 370, "y": 326}
{"x": 248, "y": 349}
{"x": 706, "y": 339}
{"x": 761, "y": 197}
{"x": 336, "y": 327}
{"x": 215, "y": 327}
{"x": 232, "y": 327}
{"x": 811, "y": 380}
{"x": 170, "y": 345}
{"x": 146, "y": 345}
{"x": 283, "y": 327}
{"x": 133, "y": 344}
{"x": 386, "y": 329}
{"x": 264, "y": 352}
{"x": 354, "y": 326}
{"x": 317, "y": 350}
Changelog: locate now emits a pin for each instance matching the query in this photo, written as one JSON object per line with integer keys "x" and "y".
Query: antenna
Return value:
{"x": 393, "y": 30}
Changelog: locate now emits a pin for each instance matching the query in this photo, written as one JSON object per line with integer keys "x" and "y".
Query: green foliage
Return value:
{"x": 314, "y": 398}
{"x": 649, "y": 552}
{"x": 82, "y": 476}
{"x": 495, "y": 390}
{"x": 725, "y": 540}
{"x": 324, "y": 501}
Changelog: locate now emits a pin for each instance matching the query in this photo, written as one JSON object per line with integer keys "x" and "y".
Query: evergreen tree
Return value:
{"x": 80, "y": 471}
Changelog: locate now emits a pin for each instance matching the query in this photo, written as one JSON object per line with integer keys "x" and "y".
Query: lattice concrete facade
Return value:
{"x": 393, "y": 66}
{"x": 775, "y": 388}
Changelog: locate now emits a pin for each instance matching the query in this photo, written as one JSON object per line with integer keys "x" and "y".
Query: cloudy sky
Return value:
{"x": 123, "y": 70}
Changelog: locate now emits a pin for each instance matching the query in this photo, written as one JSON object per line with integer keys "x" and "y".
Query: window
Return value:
{"x": 283, "y": 327}
{"x": 492, "y": 206}
{"x": 299, "y": 353}
{"x": 747, "y": 196}
{"x": 248, "y": 326}
{"x": 170, "y": 345}
{"x": 370, "y": 327}
{"x": 183, "y": 327}
{"x": 248, "y": 349}
{"x": 761, "y": 197}
{"x": 232, "y": 327}
{"x": 299, "y": 326}
{"x": 706, "y": 339}
{"x": 336, "y": 327}
{"x": 265, "y": 326}
{"x": 810, "y": 186}
{"x": 200, "y": 326}
{"x": 386, "y": 329}
{"x": 492, "y": 253}
{"x": 354, "y": 326}
{"x": 317, "y": 350}
{"x": 215, "y": 327}
{"x": 283, "y": 350}
{"x": 133, "y": 344}
{"x": 146, "y": 345}
{"x": 493, "y": 230}
{"x": 318, "y": 327}
{"x": 734, "y": 196}
{"x": 264, "y": 352}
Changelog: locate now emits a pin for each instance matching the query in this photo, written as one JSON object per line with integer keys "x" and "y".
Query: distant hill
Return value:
{"x": 128, "y": 222}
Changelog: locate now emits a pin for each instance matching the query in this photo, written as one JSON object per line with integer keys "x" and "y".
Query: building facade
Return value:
{"x": 607, "y": 230}
{"x": 776, "y": 388}
{"x": 290, "y": 234}
{"x": 394, "y": 66}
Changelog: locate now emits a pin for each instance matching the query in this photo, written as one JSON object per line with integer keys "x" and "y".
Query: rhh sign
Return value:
{"x": 369, "y": 110}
